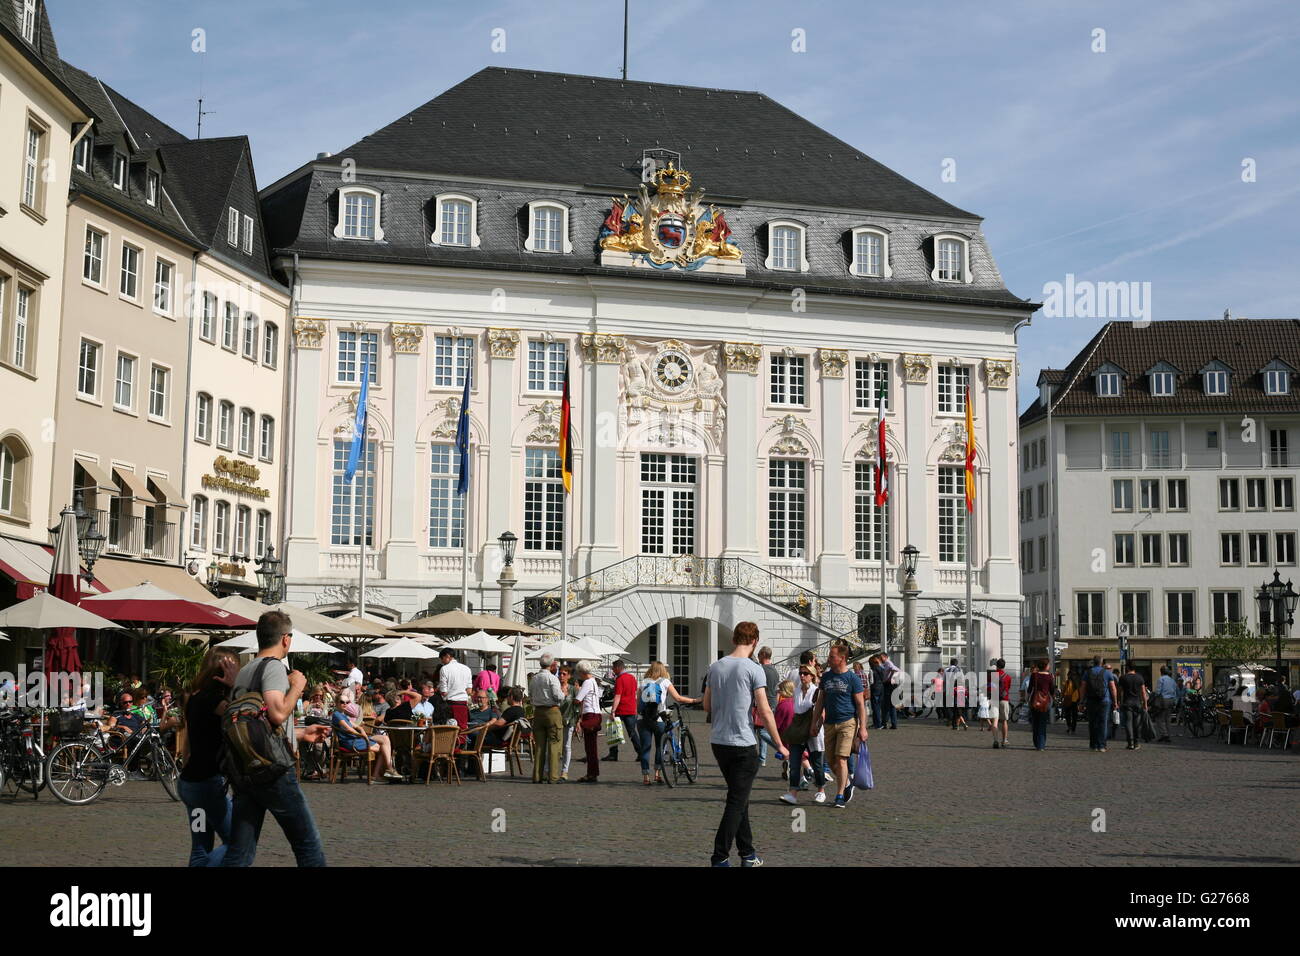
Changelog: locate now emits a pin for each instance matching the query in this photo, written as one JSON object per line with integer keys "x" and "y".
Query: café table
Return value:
{"x": 406, "y": 739}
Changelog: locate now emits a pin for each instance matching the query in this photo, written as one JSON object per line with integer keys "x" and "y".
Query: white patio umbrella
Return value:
{"x": 480, "y": 641}
{"x": 562, "y": 651}
{"x": 404, "y": 649}
{"x": 599, "y": 648}
{"x": 302, "y": 643}
{"x": 514, "y": 676}
{"x": 43, "y": 611}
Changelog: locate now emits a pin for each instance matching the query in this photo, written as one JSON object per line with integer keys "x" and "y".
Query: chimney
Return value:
{"x": 324, "y": 155}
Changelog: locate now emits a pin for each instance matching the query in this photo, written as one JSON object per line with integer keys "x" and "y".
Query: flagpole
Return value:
{"x": 564, "y": 567}
{"x": 464, "y": 536}
{"x": 970, "y": 635}
{"x": 365, "y": 489}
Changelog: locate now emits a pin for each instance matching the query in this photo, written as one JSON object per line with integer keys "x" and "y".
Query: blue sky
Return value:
{"x": 1123, "y": 165}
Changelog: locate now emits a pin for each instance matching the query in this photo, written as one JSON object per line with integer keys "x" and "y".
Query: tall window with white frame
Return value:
{"x": 1180, "y": 613}
{"x": 199, "y": 523}
{"x": 681, "y": 653}
{"x": 543, "y": 500}
{"x": 1226, "y": 609}
{"x": 787, "y": 502}
{"x": 225, "y": 424}
{"x": 250, "y": 336}
{"x": 162, "y": 287}
{"x": 869, "y": 253}
{"x": 92, "y": 261}
{"x": 454, "y": 226}
{"x": 785, "y": 248}
{"x": 88, "y": 369}
{"x": 546, "y": 365}
{"x": 230, "y": 326}
{"x": 354, "y": 347}
{"x": 263, "y": 533}
{"x": 953, "y": 381}
{"x": 870, "y": 533}
{"x": 270, "y": 344}
{"x": 221, "y": 528}
{"x": 124, "y": 392}
{"x": 952, "y": 514}
{"x": 22, "y": 326}
{"x": 950, "y": 257}
{"x": 359, "y": 215}
{"x": 1090, "y": 613}
{"x": 32, "y": 162}
{"x": 452, "y": 356}
{"x": 868, "y": 377}
{"x": 203, "y": 417}
{"x": 668, "y": 492}
{"x": 446, "y": 508}
{"x": 159, "y": 381}
{"x": 346, "y": 502}
{"x": 788, "y": 380}
{"x": 129, "y": 282}
{"x": 266, "y": 438}
{"x": 1278, "y": 454}
{"x": 243, "y": 516}
{"x": 246, "y": 419}
{"x": 548, "y": 229}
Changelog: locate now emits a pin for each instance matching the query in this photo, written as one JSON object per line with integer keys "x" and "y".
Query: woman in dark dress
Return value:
{"x": 202, "y": 786}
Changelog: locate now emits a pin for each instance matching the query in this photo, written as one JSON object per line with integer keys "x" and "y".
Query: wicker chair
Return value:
{"x": 442, "y": 749}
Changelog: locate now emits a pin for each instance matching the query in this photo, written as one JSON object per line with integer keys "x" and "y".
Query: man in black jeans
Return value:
{"x": 737, "y": 687}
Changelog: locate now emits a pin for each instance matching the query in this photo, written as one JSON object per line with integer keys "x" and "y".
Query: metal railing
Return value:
{"x": 691, "y": 572}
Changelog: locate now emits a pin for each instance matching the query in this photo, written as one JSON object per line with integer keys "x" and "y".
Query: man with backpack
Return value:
{"x": 257, "y": 759}
{"x": 1100, "y": 683}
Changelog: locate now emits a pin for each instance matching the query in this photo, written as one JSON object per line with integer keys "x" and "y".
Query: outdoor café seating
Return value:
{"x": 442, "y": 750}
{"x": 341, "y": 759}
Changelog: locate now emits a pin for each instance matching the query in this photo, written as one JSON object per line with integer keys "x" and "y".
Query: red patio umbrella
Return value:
{"x": 61, "y": 652}
{"x": 148, "y": 609}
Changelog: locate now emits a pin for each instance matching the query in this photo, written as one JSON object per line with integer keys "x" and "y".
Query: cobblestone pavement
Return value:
{"x": 941, "y": 797}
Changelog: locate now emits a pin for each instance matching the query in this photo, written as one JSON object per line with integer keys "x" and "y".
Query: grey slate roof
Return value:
{"x": 1245, "y": 345}
{"x": 521, "y": 127}
{"x": 42, "y": 51}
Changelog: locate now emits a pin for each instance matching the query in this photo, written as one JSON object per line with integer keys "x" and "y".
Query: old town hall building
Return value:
{"x": 734, "y": 291}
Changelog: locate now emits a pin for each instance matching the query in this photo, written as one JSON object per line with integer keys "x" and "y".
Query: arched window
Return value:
{"x": 871, "y": 253}
{"x": 199, "y": 524}
{"x": 15, "y": 466}
{"x": 548, "y": 227}
{"x": 359, "y": 211}
{"x": 951, "y": 259}
{"x": 455, "y": 221}
{"x": 786, "y": 248}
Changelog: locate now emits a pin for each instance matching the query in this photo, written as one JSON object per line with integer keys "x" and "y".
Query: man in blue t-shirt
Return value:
{"x": 844, "y": 717}
{"x": 1099, "y": 678}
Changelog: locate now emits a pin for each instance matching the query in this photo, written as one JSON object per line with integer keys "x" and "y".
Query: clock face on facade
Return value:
{"x": 673, "y": 370}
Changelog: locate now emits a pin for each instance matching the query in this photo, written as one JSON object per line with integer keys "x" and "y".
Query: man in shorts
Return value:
{"x": 1000, "y": 691}
{"x": 843, "y": 714}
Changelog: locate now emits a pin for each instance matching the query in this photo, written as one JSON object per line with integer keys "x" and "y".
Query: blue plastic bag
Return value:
{"x": 862, "y": 776}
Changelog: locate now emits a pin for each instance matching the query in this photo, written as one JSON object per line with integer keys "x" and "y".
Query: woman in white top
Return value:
{"x": 588, "y": 698}
{"x": 653, "y": 694}
{"x": 805, "y": 694}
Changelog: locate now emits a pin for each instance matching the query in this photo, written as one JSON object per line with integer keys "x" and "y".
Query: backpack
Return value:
{"x": 652, "y": 699}
{"x": 253, "y": 753}
{"x": 1097, "y": 683}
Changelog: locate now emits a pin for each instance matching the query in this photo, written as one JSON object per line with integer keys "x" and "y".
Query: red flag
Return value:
{"x": 970, "y": 453}
{"x": 614, "y": 221}
{"x": 566, "y": 434}
{"x": 882, "y": 476}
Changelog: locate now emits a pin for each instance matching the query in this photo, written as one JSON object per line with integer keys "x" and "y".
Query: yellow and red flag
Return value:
{"x": 970, "y": 453}
{"x": 566, "y": 434}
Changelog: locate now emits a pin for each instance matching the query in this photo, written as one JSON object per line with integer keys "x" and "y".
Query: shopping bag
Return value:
{"x": 1147, "y": 729}
{"x": 614, "y": 735}
{"x": 863, "y": 779}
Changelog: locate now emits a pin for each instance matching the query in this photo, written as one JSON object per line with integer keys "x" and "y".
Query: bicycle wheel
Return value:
{"x": 167, "y": 772}
{"x": 690, "y": 759}
{"x": 669, "y": 755}
{"x": 30, "y": 772}
{"x": 1209, "y": 724}
{"x": 77, "y": 773}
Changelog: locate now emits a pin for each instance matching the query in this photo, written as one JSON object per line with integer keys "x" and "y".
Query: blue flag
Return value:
{"x": 462, "y": 439}
{"x": 359, "y": 426}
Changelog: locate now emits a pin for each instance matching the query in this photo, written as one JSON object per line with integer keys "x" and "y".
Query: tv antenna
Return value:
{"x": 625, "y": 3}
{"x": 202, "y": 113}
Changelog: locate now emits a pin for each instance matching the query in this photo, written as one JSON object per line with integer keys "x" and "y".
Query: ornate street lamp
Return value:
{"x": 1277, "y": 604}
{"x": 84, "y": 518}
{"x": 91, "y": 546}
{"x": 506, "y": 582}
{"x": 911, "y": 654}
{"x": 214, "y": 575}
{"x": 267, "y": 566}
{"x": 909, "y": 560}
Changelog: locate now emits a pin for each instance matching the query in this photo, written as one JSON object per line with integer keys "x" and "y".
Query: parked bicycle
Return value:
{"x": 1197, "y": 714}
{"x": 79, "y": 771}
{"x": 680, "y": 757}
{"x": 22, "y": 761}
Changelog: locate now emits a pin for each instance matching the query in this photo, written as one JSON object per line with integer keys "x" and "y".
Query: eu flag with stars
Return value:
{"x": 462, "y": 438}
{"x": 359, "y": 425}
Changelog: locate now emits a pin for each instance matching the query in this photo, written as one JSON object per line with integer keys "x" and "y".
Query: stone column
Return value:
{"x": 1003, "y": 576}
{"x": 741, "y": 360}
{"x": 916, "y": 406}
{"x": 503, "y": 346}
{"x": 603, "y": 356}
{"x": 302, "y": 547}
{"x": 712, "y": 648}
{"x": 833, "y": 563}
{"x": 401, "y": 556}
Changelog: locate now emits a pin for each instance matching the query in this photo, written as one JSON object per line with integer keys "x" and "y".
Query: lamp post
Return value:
{"x": 91, "y": 547}
{"x": 506, "y": 582}
{"x": 910, "y": 590}
{"x": 214, "y": 575}
{"x": 267, "y": 566}
{"x": 1277, "y": 603}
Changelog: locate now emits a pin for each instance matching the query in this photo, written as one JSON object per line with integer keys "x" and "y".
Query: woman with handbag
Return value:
{"x": 588, "y": 699}
{"x": 653, "y": 694}
{"x": 805, "y": 734}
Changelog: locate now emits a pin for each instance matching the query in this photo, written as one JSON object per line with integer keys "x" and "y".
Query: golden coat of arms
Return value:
{"x": 671, "y": 229}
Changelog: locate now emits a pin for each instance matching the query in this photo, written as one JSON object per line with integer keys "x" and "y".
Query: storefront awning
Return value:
{"x": 100, "y": 479}
{"x": 118, "y": 574}
{"x": 166, "y": 493}
{"x": 132, "y": 483}
{"x": 27, "y": 564}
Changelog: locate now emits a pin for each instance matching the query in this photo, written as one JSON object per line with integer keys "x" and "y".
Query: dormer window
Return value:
{"x": 548, "y": 227}
{"x": 1163, "y": 379}
{"x": 119, "y": 171}
{"x": 1108, "y": 380}
{"x": 951, "y": 259}
{"x": 359, "y": 214}
{"x": 870, "y": 253}
{"x": 81, "y": 156}
{"x": 232, "y": 227}
{"x": 248, "y": 235}
{"x": 29, "y": 20}
{"x": 1216, "y": 383}
{"x": 456, "y": 222}
{"x": 1277, "y": 377}
{"x": 152, "y": 185}
{"x": 785, "y": 247}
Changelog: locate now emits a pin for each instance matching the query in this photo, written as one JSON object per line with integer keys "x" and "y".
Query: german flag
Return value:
{"x": 566, "y": 434}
